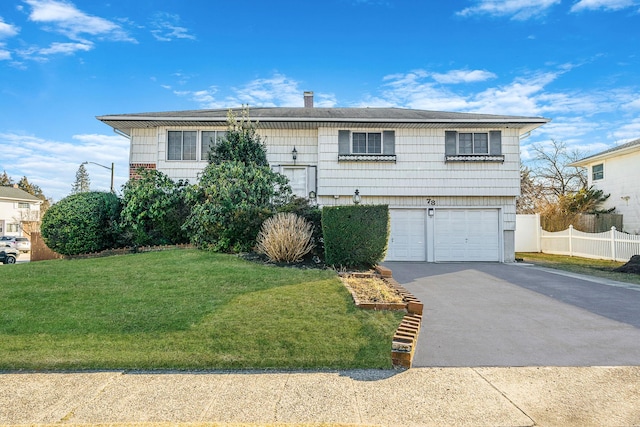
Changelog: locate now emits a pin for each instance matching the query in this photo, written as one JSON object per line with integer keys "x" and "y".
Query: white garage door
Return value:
{"x": 467, "y": 235}
{"x": 407, "y": 237}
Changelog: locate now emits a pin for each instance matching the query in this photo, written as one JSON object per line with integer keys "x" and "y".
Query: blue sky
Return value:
{"x": 63, "y": 62}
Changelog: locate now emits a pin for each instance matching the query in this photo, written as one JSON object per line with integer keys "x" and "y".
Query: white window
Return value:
{"x": 23, "y": 205}
{"x": 209, "y": 138}
{"x": 302, "y": 179}
{"x": 13, "y": 228}
{"x": 485, "y": 145}
{"x": 182, "y": 145}
{"x": 597, "y": 172}
{"x": 366, "y": 143}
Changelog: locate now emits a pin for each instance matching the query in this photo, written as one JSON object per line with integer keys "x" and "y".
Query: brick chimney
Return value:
{"x": 308, "y": 100}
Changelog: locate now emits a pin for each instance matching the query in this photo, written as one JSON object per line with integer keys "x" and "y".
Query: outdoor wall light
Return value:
{"x": 431, "y": 211}
{"x": 312, "y": 194}
{"x": 294, "y": 154}
{"x": 356, "y": 197}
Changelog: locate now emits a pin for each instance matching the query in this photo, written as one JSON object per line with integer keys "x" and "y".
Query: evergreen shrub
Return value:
{"x": 355, "y": 236}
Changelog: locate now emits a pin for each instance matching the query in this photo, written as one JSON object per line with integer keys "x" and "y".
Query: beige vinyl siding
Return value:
{"x": 420, "y": 169}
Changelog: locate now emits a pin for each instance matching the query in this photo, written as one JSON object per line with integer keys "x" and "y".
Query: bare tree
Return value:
{"x": 552, "y": 172}
{"x": 531, "y": 196}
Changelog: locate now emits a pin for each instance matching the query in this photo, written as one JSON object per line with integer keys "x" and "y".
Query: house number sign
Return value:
{"x": 431, "y": 202}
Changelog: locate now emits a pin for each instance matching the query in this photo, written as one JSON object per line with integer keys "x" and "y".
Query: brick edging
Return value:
{"x": 403, "y": 344}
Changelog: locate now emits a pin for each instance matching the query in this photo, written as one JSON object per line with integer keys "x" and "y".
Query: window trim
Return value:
{"x": 387, "y": 151}
{"x": 493, "y": 153}
{"x": 182, "y": 159}
{"x": 600, "y": 172}
{"x": 198, "y": 143}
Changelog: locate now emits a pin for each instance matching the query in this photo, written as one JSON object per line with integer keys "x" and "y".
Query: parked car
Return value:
{"x": 20, "y": 243}
{"x": 8, "y": 255}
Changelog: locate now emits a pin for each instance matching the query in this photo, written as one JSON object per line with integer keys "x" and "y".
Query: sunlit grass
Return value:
{"x": 184, "y": 309}
{"x": 594, "y": 267}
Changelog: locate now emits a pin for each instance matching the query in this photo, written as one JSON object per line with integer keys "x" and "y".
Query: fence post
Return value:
{"x": 570, "y": 240}
{"x": 538, "y": 234}
{"x": 613, "y": 243}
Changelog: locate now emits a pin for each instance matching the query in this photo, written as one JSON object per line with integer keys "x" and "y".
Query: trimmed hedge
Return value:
{"x": 82, "y": 223}
{"x": 355, "y": 236}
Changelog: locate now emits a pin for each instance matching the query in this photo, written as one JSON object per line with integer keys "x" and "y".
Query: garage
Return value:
{"x": 466, "y": 235}
{"x": 444, "y": 235}
{"x": 407, "y": 236}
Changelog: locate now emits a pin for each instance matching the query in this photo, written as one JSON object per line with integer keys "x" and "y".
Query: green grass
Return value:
{"x": 592, "y": 267}
{"x": 184, "y": 309}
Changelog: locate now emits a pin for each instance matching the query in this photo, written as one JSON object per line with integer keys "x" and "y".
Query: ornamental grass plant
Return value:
{"x": 285, "y": 237}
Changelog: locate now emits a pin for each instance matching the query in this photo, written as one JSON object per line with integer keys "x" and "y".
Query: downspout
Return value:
{"x": 119, "y": 132}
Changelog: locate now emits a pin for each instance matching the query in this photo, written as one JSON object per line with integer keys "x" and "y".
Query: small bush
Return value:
{"x": 82, "y": 223}
{"x": 355, "y": 236}
{"x": 313, "y": 214}
{"x": 285, "y": 237}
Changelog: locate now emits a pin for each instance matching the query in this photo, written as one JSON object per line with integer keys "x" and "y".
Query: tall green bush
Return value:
{"x": 355, "y": 236}
{"x": 230, "y": 203}
{"x": 154, "y": 209}
{"x": 82, "y": 223}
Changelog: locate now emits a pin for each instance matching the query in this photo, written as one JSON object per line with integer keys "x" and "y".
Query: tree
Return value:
{"x": 552, "y": 172}
{"x": 82, "y": 182}
{"x": 530, "y": 197}
{"x": 568, "y": 209}
{"x": 154, "y": 209}
{"x": 241, "y": 143}
{"x": 5, "y": 179}
{"x": 236, "y": 193}
{"x": 82, "y": 223}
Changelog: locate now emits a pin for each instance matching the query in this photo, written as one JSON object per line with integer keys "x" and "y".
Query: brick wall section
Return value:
{"x": 133, "y": 169}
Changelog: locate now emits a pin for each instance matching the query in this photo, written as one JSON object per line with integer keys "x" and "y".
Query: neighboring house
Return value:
{"x": 450, "y": 179}
{"x": 19, "y": 211}
{"x": 617, "y": 172}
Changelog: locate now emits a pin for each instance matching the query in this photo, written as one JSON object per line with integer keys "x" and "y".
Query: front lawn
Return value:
{"x": 593, "y": 267}
{"x": 184, "y": 309}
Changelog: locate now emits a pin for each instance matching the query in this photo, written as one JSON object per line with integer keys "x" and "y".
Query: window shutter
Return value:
{"x": 450, "y": 143}
{"x": 312, "y": 172}
{"x": 388, "y": 142}
{"x": 344, "y": 140}
{"x": 495, "y": 142}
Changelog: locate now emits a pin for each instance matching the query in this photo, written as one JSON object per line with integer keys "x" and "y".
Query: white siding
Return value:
{"x": 420, "y": 169}
{"x": 621, "y": 176}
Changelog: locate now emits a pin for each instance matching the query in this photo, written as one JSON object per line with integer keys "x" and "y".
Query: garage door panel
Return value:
{"x": 407, "y": 236}
{"x": 467, "y": 235}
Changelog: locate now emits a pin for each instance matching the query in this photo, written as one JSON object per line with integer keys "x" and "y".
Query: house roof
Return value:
{"x": 285, "y": 117}
{"x": 618, "y": 150}
{"x": 12, "y": 193}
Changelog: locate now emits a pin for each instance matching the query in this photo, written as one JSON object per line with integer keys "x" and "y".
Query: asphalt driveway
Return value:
{"x": 490, "y": 314}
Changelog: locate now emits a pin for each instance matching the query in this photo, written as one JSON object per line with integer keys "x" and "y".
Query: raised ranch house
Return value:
{"x": 617, "y": 172}
{"x": 19, "y": 211}
{"x": 450, "y": 179}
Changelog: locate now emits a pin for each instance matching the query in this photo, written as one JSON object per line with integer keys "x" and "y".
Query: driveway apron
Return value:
{"x": 490, "y": 314}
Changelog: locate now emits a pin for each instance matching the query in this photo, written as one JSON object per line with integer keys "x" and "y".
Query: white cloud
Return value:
{"x": 166, "y": 28}
{"x": 603, "y": 4}
{"x": 7, "y": 30}
{"x": 4, "y": 54}
{"x": 463, "y": 76}
{"x": 516, "y": 9}
{"x": 626, "y": 132}
{"x": 66, "y": 19}
{"x": 276, "y": 91}
{"x": 52, "y": 164}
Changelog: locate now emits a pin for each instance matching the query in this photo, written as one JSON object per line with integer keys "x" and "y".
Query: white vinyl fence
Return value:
{"x": 612, "y": 244}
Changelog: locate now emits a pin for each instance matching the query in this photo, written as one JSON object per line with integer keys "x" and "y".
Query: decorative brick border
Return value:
{"x": 404, "y": 340}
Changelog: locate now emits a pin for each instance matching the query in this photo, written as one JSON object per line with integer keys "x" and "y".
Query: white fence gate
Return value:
{"x": 612, "y": 244}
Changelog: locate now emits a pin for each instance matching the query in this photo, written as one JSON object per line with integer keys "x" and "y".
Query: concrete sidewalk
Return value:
{"x": 600, "y": 396}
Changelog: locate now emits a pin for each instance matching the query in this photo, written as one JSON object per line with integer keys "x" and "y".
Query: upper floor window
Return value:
{"x": 23, "y": 205}
{"x": 191, "y": 145}
{"x": 597, "y": 172}
{"x": 209, "y": 139}
{"x": 366, "y": 146}
{"x": 473, "y": 146}
{"x": 182, "y": 145}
